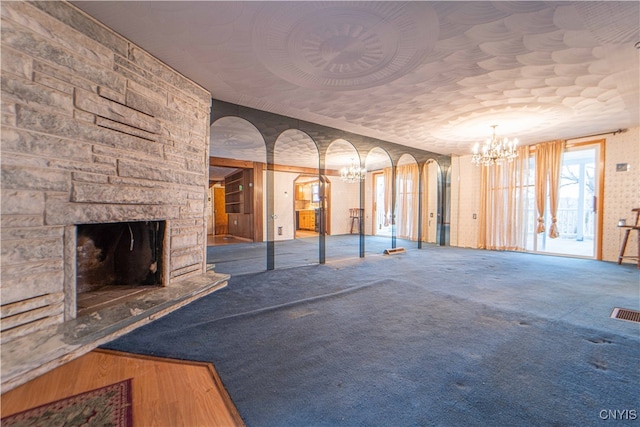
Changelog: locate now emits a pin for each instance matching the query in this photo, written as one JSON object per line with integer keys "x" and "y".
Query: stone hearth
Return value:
{"x": 56, "y": 345}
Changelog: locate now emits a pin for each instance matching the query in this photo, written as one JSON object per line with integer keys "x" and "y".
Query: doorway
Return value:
{"x": 579, "y": 206}
{"x": 220, "y": 221}
{"x": 306, "y": 206}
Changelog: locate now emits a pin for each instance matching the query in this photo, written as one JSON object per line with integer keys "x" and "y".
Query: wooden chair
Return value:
{"x": 627, "y": 230}
{"x": 356, "y": 216}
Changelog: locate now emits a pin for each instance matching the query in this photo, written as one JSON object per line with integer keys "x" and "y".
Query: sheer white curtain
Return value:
{"x": 503, "y": 204}
{"x": 387, "y": 173}
{"x": 407, "y": 200}
{"x": 425, "y": 203}
{"x": 430, "y": 205}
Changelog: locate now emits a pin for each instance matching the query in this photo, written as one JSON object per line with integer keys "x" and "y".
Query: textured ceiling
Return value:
{"x": 431, "y": 75}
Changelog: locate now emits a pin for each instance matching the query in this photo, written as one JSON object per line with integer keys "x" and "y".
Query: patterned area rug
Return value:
{"x": 106, "y": 406}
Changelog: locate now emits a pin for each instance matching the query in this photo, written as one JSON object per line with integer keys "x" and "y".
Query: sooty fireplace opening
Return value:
{"x": 124, "y": 253}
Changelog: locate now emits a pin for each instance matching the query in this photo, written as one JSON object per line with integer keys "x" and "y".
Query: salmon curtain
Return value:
{"x": 541, "y": 184}
{"x": 407, "y": 201}
{"x": 548, "y": 168}
{"x": 503, "y": 204}
{"x": 555, "y": 167}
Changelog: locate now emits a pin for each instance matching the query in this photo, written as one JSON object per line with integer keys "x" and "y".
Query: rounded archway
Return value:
{"x": 431, "y": 202}
{"x": 342, "y": 184}
{"x": 407, "y": 200}
{"x": 236, "y": 138}
{"x": 237, "y": 155}
{"x": 378, "y": 208}
{"x": 296, "y": 215}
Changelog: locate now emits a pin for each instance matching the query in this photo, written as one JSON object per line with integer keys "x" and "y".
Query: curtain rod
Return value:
{"x": 614, "y": 132}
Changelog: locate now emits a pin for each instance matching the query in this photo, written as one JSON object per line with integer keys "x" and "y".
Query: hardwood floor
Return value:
{"x": 306, "y": 233}
{"x": 166, "y": 392}
{"x": 220, "y": 240}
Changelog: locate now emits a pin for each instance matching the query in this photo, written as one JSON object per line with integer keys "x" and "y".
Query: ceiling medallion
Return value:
{"x": 343, "y": 45}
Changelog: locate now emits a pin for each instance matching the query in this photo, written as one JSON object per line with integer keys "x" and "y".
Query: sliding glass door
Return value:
{"x": 578, "y": 206}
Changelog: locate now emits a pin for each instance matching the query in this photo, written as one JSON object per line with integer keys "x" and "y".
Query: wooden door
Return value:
{"x": 219, "y": 213}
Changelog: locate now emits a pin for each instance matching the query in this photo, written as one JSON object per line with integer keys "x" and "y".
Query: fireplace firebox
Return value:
{"x": 119, "y": 254}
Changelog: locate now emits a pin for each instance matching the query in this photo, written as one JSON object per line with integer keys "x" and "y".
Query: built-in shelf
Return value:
{"x": 238, "y": 194}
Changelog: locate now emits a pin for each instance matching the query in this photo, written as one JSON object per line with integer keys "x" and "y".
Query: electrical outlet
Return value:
{"x": 475, "y": 216}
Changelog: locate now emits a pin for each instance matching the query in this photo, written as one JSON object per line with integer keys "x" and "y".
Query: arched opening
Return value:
{"x": 378, "y": 219}
{"x": 307, "y": 206}
{"x": 407, "y": 206}
{"x": 445, "y": 199}
{"x": 344, "y": 216}
{"x": 297, "y": 199}
{"x": 431, "y": 202}
{"x": 235, "y": 228}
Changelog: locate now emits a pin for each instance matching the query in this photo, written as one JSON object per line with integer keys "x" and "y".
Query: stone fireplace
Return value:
{"x": 104, "y": 181}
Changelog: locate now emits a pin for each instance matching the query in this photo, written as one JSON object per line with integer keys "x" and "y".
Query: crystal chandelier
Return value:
{"x": 494, "y": 150}
{"x": 353, "y": 173}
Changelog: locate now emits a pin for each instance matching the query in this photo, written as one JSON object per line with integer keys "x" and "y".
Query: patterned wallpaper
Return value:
{"x": 621, "y": 191}
{"x": 431, "y": 209}
{"x": 465, "y": 202}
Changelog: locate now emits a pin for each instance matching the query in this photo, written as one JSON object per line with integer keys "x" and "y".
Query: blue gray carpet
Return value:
{"x": 439, "y": 336}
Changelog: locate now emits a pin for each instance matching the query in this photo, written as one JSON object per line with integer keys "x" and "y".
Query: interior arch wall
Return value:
{"x": 271, "y": 126}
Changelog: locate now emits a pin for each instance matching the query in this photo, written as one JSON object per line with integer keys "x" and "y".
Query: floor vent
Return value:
{"x": 626, "y": 314}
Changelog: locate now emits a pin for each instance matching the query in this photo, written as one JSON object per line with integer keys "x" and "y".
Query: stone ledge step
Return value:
{"x": 32, "y": 355}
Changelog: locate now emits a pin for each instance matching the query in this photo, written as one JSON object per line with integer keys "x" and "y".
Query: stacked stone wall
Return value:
{"x": 94, "y": 130}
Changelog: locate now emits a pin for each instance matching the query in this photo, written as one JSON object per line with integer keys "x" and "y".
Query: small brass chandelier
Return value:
{"x": 494, "y": 150}
{"x": 353, "y": 173}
